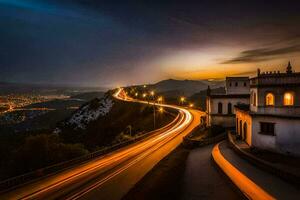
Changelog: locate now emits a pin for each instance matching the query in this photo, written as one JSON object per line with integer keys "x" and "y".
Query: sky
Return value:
{"x": 114, "y": 43}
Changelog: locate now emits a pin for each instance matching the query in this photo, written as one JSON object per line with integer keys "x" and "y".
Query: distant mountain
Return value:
{"x": 184, "y": 87}
{"x": 199, "y": 98}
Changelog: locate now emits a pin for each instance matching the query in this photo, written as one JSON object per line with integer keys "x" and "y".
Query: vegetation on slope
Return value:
{"x": 27, "y": 151}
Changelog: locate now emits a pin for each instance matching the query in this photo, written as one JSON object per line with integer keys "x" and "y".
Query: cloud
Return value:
{"x": 262, "y": 54}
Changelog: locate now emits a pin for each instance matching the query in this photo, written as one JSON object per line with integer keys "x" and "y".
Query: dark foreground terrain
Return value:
{"x": 164, "y": 181}
{"x": 185, "y": 174}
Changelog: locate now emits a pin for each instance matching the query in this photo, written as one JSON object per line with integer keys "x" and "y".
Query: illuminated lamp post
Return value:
{"x": 182, "y": 100}
{"x": 154, "y": 118}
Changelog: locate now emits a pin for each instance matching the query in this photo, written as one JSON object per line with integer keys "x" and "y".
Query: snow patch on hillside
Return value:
{"x": 90, "y": 112}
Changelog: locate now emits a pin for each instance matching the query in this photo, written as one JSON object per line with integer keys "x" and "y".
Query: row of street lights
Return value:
{"x": 159, "y": 100}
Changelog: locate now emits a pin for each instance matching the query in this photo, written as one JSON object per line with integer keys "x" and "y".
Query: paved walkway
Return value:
{"x": 203, "y": 180}
{"x": 283, "y": 162}
{"x": 268, "y": 182}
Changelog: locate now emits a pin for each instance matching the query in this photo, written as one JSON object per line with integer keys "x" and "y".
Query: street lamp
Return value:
{"x": 191, "y": 105}
{"x": 182, "y": 99}
{"x": 161, "y": 109}
{"x": 160, "y": 99}
{"x": 136, "y": 94}
{"x": 129, "y": 128}
{"x": 153, "y": 98}
{"x": 144, "y": 95}
{"x": 152, "y": 93}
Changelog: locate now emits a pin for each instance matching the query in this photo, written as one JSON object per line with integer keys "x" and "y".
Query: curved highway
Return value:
{"x": 111, "y": 176}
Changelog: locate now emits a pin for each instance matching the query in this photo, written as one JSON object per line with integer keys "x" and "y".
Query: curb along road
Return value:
{"x": 248, "y": 187}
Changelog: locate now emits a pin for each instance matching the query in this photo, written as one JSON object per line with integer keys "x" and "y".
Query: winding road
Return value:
{"x": 111, "y": 176}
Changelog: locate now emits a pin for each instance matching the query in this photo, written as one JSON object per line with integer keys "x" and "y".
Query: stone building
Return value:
{"x": 272, "y": 120}
{"x": 220, "y": 107}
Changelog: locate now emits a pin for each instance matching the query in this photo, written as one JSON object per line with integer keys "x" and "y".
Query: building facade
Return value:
{"x": 220, "y": 107}
{"x": 272, "y": 119}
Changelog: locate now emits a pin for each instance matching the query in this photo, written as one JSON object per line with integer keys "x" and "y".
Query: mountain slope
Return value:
{"x": 102, "y": 122}
{"x": 184, "y": 87}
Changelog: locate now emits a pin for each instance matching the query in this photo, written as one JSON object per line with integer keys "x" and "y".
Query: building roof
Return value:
{"x": 215, "y": 96}
{"x": 237, "y": 78}
{"x": 276, "y": 78}
{"x": 243, "y": 107}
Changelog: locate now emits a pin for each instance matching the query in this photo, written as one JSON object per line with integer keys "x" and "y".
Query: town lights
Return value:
{"x": 145, "y": 86}
{"x": 136, "y": 94}
{"x": 152, "y": 93}
{"x": 144, "y": 95}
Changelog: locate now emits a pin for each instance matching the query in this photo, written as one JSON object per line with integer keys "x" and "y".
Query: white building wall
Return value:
{"x": 286, "y": 139}
{"x": 253, "y": 99}
{"x": 224, "y": 119}
{"x": 234, "y": 101}
{"x": 237, "y": 86}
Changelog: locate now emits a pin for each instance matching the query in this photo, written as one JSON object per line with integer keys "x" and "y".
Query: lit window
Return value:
{"x": 270, "y": 99}
{"x": 288, "y": 99}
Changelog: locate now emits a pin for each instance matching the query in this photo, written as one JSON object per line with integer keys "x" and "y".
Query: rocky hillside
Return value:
{"x": 90, "y": 112}
{"x": 104, "y": 121}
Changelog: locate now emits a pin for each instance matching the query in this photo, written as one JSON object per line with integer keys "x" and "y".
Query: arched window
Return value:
{"x": 270, "y": 99}
{"x": 220, "y": 108}
{"x": 254, "y": 99}
{"x": 240, "y": 128}
{"x": 237, "y": 125}
{"x": 245, "y": 131}
{"x": 229, "y": 108}
{"x": 288, "y": 99}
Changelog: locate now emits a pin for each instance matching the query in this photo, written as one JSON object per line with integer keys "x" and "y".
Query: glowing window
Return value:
{"x": 288, "y": 99}
{"x": 270, "y": 99}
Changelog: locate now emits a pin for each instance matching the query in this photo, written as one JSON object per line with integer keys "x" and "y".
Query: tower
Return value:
{"x": 289, "y": 68}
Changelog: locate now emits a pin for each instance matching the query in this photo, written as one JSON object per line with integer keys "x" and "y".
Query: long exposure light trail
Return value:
{"x": 110, "y": 166}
